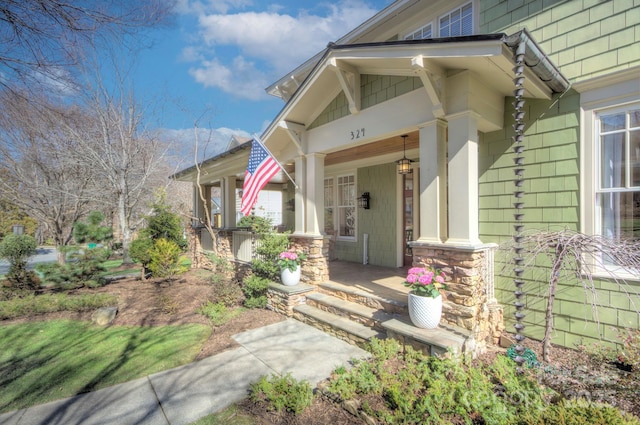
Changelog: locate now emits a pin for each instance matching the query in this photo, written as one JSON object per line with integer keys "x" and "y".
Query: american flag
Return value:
{"x": 261, "y": 168}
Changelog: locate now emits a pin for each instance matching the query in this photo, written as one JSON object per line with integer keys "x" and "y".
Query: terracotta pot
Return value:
{"x": 290, "y": 278}
{"x": 425, "y": 312}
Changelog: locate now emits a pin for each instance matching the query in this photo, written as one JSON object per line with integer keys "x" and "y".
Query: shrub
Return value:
{"x": 17, "y": 249}
{"x": 83, "y": 268}
{"x": 218, "y": 313}
{"x": 414, "y": 388}
{"x": 164, "y": 224}
{"x": 226, "y": 291}
{"x": 283, "y": 393}
{"x": 92, "y": 231}
{"x": 269, "y": 249}
{"x": 140, "y": 252}
{"x": 165, "y": 259}
{"x": 255, "y": 291}
{"x": 578, "y": 412}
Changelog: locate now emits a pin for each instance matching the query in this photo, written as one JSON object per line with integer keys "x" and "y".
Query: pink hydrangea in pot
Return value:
{"x": 289, "y": 262}
{"x": 425, "y": 301}
{"x": 425, "y": 281}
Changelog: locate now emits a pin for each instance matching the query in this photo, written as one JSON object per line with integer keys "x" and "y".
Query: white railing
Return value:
{"x": 243, "y": 245}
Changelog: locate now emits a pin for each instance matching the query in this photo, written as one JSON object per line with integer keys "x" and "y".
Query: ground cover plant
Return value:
{"x": 398, "y": 386}
{"x": 16, "y": 305}
{"x": 48, "y": 360}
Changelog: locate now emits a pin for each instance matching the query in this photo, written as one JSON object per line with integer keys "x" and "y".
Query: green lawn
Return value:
{"x": 45, "y": 361}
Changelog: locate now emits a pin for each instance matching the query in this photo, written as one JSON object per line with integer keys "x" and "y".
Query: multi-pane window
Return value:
{"x": 618, "y": 188}
{"x": 420, "y": 33}
{"x": 329, "y": 195}
{"x": 457, "y": 22}
{"x": 346, "y": 206}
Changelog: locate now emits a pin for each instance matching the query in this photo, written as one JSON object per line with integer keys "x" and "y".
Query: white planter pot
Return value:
{"x": 425, "y": 312}
{"x": 290, "y": 278}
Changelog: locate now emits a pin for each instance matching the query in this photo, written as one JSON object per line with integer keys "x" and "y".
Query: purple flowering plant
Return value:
{"x": 290, "y": 260}
{"x": 425, "y": 281}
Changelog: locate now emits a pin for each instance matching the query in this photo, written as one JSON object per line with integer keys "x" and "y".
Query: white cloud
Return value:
{"x": 241, "y": 53}
{"x": 208, "y": 141}
{"x": 240, "y": 78}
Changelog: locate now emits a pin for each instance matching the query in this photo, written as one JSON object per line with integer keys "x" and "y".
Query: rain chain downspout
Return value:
{"x": 518, "y": 149}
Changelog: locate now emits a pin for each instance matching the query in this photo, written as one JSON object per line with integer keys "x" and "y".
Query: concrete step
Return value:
{"x": 370, "y": 317}
{"x": 362, "y": 297}
{"x": 338, "y": 326}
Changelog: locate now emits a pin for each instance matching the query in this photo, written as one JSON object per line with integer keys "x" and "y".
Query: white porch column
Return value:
{"x": 315, "y": 194}
{"x": 198, "y": 206}
{"x": 229, "y": 202}
{"x": 463, "y": 179}
{"x": 301, "y": 173}
{"x": 202, "y": 206}
{"x": 433, "y": 182}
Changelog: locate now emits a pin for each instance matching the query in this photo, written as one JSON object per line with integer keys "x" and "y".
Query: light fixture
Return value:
{"x": 404, "y": 164}
{"x": 363, "y": 201}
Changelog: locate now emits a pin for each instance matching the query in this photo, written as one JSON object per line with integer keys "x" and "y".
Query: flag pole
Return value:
{"x": 257, "y": 139}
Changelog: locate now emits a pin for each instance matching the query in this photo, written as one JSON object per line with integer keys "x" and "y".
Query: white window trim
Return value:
{"x": 430, "y": 24}
{"x": 435, "y": 23}
{"x": 436, "y": 27}
{"x": 334, "y": 204}
{"x": 611, "y": 92}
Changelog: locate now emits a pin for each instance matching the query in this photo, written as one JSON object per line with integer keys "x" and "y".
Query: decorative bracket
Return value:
{"x": 430, "y": 81}
{"x": 349, "y": 79}
{"x": 294, "y": 130}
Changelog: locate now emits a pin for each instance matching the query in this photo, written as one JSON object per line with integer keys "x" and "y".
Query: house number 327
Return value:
{"x": 357, "y": 134}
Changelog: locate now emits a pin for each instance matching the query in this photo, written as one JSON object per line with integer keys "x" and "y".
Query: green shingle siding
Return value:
{"x": 379, "y": 222}
{"x": 583, "y": 38}
{"x": 374, "y": 89}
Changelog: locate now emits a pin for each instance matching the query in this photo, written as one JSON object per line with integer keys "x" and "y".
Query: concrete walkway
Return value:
{"x": 185, "y": 394}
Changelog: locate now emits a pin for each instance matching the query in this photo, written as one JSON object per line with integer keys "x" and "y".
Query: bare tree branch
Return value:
{"x": 585, "y": 258}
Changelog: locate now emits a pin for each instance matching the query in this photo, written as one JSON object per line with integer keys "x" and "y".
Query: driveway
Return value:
{"x": 44, "y": 254}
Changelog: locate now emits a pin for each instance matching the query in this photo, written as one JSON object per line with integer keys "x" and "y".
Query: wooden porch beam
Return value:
{"x": 430, "y": 85}
{"x": 349, "y": 79}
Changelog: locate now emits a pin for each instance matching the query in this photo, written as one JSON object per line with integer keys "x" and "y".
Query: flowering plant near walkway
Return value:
{"x": 425, "y": 281}
{"x": 290, "y": 260}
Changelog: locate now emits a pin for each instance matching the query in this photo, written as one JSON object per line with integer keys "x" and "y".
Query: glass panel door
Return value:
{"x": 407, "y": 218}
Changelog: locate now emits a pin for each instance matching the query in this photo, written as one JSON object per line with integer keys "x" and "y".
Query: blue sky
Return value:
{"x": 217, "y": 58}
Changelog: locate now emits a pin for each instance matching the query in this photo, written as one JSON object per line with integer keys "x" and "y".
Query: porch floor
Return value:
{"x": 383, "y": 282}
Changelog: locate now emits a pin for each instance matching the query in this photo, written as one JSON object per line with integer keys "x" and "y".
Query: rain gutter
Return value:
{"x": 537, "y": 61}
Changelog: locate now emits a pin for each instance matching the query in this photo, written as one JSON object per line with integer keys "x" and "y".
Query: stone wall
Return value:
{"x": 467, "y": 302}
{"x": 283, "y": 299}
{"x": 315, "y": 269}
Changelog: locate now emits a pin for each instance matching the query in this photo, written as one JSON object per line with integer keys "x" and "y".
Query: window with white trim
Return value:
{"x": 420, "y": 33}
{"x": 340, "y": 206}
{"x": 618, "y": 185}
{"x": 329, "y": 194}
{"x": 457, "y": 22}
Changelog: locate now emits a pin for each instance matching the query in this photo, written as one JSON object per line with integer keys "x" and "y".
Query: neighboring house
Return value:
{"x": 441, "y": 73}
{"x": 224, "y": 193}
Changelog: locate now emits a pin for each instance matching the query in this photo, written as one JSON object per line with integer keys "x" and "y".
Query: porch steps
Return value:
{"x": 370, "y": 317}
{"x": 365, "y": 298}
{"x": 356, "y": 316}
{"x": 338, "y": 326}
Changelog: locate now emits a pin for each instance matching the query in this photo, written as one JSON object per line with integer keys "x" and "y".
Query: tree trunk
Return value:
{"x": 553, "y": 285}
